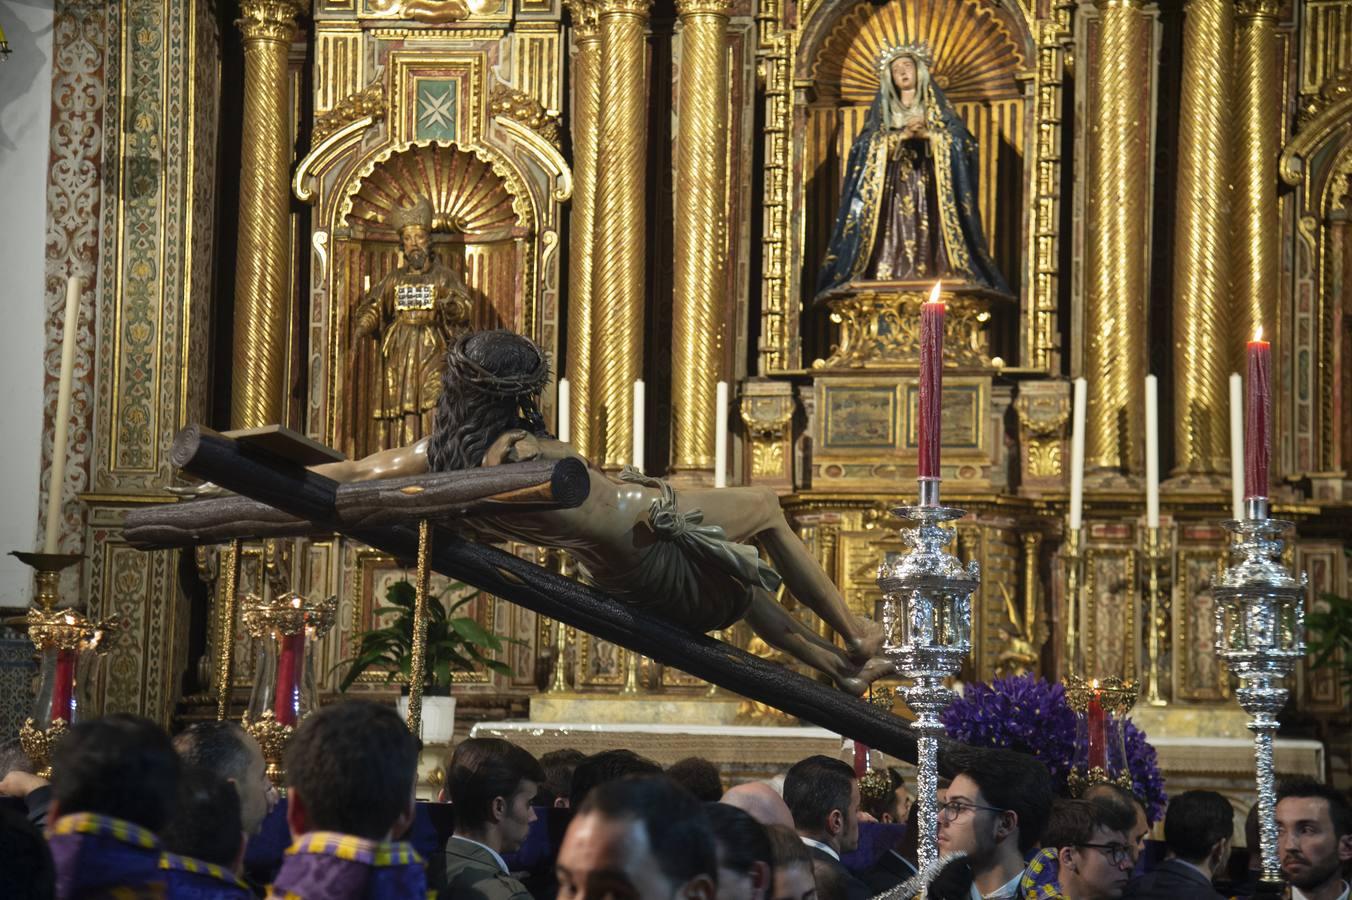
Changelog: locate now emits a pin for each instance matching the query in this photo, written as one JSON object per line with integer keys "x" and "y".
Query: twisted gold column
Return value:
{"x": 698, "y": 313}
{"x": 258, "y": 391}
{"x": 1258, "y": 142}
{"x": 617, "y": 266}
{"x": 1202, "y": 329}
{"x": 585, "y": 128}
{"x": 1119, "y": 163}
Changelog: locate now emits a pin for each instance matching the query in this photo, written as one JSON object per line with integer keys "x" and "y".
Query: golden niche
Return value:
{"x": 434, "y": 228}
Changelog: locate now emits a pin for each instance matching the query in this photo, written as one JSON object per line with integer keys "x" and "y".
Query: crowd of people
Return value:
{"x": 130, "y": 813}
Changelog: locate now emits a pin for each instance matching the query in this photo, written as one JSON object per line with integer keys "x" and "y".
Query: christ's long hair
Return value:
{"x": 491, "y": 385}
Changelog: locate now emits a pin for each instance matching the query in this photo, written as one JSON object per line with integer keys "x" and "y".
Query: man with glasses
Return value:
{"x": 1088, "y": 853}
{"x": 994, "y": 812}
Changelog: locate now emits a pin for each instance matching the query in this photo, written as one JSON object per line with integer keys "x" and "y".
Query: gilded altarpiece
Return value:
{"x": 130, "y": 186}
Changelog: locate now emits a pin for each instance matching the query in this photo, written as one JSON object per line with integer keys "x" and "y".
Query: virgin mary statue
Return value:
{"x": 908, "y": 209}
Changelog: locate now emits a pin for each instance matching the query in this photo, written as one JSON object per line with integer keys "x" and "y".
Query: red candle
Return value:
{"x": 63, "y": 686}
{"x": 1098, "y": 743}
{"x": 287, "y": 697}
{"x": 931, "y": 381}
{"x": 860, "y": 759}
{"x": 1257, "y": 406}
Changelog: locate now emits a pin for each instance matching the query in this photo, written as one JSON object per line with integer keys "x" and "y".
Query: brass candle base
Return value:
{"x": 273, "y": 737}
{"x": 38, "y": 744}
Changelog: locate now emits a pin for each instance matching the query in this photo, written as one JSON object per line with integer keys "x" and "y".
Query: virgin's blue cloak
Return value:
{"x": 954, "y": 151}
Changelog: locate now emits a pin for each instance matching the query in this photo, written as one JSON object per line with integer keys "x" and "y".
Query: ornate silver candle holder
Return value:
{"x": 1260, "y": 633}
{"x": 927, "y": 621}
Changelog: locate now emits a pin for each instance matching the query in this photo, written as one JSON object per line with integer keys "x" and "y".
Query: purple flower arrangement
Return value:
{"x": 1030, "y": 715}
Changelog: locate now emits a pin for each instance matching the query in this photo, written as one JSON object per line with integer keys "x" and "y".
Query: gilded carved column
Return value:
{"x": 698, "y": 314}
{"x": 1258, "y": 143}
{"x": 1203, "y": 333}
{"x": 258, "y": 388}
{"x": 586, "y": 123}
{"x": 617, "y": 271}
{"x": 1119, "y": 166}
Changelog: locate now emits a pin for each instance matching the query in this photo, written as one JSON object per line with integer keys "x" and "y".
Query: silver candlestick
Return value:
{"x": 927, "y": 622}
{"x": 1260, "y": 633}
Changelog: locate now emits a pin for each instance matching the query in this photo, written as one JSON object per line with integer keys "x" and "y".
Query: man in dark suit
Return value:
{"x": 1197, "y": 829}
{"x": 823, "y": 796}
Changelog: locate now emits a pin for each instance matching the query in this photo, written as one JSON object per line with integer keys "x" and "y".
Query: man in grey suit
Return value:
{"x": 491, "y": 783}
{"x": 1197, "y": 829}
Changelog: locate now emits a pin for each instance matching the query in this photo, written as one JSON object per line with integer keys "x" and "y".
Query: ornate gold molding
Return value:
{"x": 1042, "y": 421}
{"x": 637, "y": 8}
{"x": 368, "y": 102}
{"x": 1319, "y": 117}
{"x": 586, "y": 18}
{"x": 881, "y": 328}
{"x": 703, "y": 8}
{"x": 1253, "y": 9}
{"x": 522, "y": 107}
{"x": 269, "y": 20}
{"x": 767, "y": 412}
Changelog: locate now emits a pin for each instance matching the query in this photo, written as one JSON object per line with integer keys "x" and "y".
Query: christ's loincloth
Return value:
{"x": 692, "y": 575}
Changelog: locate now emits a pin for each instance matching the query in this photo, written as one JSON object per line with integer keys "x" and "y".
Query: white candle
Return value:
{"x": 366, "y": 284}
{"x": 721, "y": 435}
{"x": 1152, "y": 452}
{"x": 565, "y": 398}
{"x": 638, "y": 425}
{"x": 55, "y": 488}
{"x": 1077, "y": 454}
{"x": 1237, "y": 445}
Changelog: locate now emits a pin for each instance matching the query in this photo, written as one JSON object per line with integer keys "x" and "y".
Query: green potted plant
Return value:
{"x": 454, "y": 644}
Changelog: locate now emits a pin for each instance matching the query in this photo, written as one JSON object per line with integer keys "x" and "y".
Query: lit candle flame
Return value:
{"x": 1258, "y": 334}
{"x": 934, "y": 293}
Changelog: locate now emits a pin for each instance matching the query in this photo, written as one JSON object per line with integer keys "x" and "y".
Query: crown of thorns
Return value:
{"x": 918, "y": 49}
{"x": 470, "y": 373}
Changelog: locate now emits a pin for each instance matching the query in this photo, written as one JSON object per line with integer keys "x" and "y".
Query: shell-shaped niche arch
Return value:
{"x": 471, "y": 191}
{"x": 976, "y": 53}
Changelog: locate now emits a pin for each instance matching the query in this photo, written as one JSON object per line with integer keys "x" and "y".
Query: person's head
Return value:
{"x": 995, "y": 808}
{"x": 206, "y": 823}
{"x": 1198, "y": 826}
{"x": 232, "y": 753}
{"x": 558, "y": 766}
{"x": 491, "y": 783}
{"x": 830, "y": 880}
{"x": 823, "y": 797}
{"x": 121, "y": 766}
{"x": 698, "y": 776}
{"x": 491, "y": 384}
{"x": 352, "y": 768}
{"x": 608, "y": 765}
{"x": 793, "y": 878}
{"x": 413, "y": 222}
{"x": 762, "y": 802}
{"x": 1094, "y": 849}
{"x": 1314, "y": 832}
{"x": 745, "y": 860}
{"x": 27, "y": 872}
{"x": 1114, "y": 793}
{"x": 903, "y": 71}
{"x": 416, "y": 242}
{"x": 636, "y": 838}
{"x": 14, "y": 759}
{"x": 892, "y": 805}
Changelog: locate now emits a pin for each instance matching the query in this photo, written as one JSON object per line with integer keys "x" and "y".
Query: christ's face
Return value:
{"x": 903, "y": 73}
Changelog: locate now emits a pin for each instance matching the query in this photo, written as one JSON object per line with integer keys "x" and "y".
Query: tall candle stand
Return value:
{"x": 60, "y": 636}
{"x": 1074, "y": 580}
{"x": 927, "y": 624}
{"x": 1153, "y": 554}
{"x": 1260, "y": 633}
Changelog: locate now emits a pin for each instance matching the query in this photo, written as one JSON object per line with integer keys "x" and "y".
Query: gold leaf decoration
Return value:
{"x": 470, "y": 192}
{"x": 976, "y": 53}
